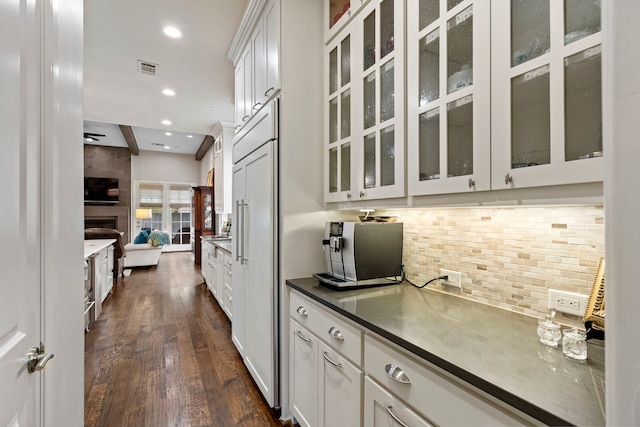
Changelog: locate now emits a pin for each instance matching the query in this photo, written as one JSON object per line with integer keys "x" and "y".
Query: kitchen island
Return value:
{"x": 495, "y": 351}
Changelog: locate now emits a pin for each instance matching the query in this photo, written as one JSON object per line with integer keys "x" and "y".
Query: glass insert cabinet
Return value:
{"x": 498, "y": 95}
{"x": 448, "y": 100}
{"x": 546, "y": 83}
{"x": 364, "y": 89}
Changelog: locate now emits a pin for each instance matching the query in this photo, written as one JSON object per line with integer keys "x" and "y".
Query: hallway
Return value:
{"x": 161, "y": 354}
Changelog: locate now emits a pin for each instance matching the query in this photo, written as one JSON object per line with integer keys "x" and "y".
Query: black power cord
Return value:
{"x": 404, "y": 279}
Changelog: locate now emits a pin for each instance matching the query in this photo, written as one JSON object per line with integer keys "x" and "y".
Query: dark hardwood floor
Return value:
{"x": 161, "y": 354}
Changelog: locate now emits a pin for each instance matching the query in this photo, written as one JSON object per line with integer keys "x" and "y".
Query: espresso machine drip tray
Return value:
{"x": 332, "y": 281}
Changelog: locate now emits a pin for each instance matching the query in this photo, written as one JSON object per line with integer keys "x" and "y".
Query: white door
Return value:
{"x": 19, "y": 220}
{"x": 238, "y": 327}
{"x": 258, "y": 253}
{"x": 41, "y": 291}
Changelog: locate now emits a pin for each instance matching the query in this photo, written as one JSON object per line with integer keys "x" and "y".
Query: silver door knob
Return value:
{"x": 37, "y": 359}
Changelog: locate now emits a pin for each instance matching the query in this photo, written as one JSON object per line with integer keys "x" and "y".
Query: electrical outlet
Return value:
{"x": 568, "y": 302}
{"x": 455, "y": 278}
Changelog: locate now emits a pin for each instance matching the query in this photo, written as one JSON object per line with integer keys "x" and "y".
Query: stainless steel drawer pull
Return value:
{"x": 326, "y": 357}
{"x": 388, "y": 408}
{"x": 303, "y": 338}
{"x": 335, "y": 333}
{"x": 302, "y": 311}
{"x": 395, "y": 373}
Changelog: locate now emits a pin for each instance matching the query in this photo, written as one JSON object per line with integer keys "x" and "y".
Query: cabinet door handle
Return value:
{"x": 508, "y": 179}
{"x": 328, "y": 359}
{"x": 388, "y": 408}
{"x": 268, "y": 91}
{"x": 302, "y": 311}
{"x": 237, "y": 127}
{"x": 349, "y": 196}
{"x": 362, "y": 194}
{"x": 237, "y": 234}
{"x": 395, "y": 373}
{"x": 244, "y": 119}
{"x": 472, "y": 183}
{"x": 303, "y": 338}
{"x": 335, "y": 333}
{"x": 256, "y": 106}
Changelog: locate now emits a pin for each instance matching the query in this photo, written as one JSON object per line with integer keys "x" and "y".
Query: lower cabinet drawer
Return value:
{"x": 227, "y": 303}
{"x": 337, "y": 332}
{"x": 436, "y": 395}
{"x": 382, "y": 409}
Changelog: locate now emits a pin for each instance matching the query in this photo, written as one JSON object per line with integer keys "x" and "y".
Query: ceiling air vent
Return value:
{"x": 145, "y": 67}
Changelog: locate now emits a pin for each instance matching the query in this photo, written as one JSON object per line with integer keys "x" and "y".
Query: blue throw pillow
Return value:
{"x": 142, "y": 237}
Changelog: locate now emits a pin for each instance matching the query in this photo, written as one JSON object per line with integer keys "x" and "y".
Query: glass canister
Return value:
{"x": 574, "y": 343}
{"x": 549, "y": 331}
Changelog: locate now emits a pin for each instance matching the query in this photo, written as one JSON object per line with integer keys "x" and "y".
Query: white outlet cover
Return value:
{"x": 568, "y": 302}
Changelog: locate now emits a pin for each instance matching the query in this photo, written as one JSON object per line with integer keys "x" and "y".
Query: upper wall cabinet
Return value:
{"x": 448, "y": 96}
{"x": 546, "y": 100}
{"x": 337, "y": 13}
{"x": 364, "y": 83}
{"x": 257, "y": 75}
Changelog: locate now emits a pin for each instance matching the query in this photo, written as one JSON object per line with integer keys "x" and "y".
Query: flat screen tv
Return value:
{"x": 100, "y": 190}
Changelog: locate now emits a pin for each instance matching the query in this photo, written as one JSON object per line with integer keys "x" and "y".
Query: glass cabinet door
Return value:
{"x": 448, "y": 96}
{"x": 547, "y": 92}
{"x": 339, "y": 118}
{"x": 380, "y": 75}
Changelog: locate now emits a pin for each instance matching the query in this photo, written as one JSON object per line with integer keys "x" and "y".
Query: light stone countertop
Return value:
{"x": 224, "y": 243}
{"x": 96, "y": 245}
{"x": 493, "y": 349}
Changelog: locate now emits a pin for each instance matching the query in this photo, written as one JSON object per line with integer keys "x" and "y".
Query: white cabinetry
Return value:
{"x": 325, "y": 359}
{"x": 331, "y": 358}
{"x": 436, "y": 395}
{"x": 222, "y": 150}
{"x": 257, "y": 76}
{"x": 303, "y": 387}
{"x": 225, "y": 278}
{"x": 448, "y": 85}
{"x": 546, "y": 93}
{"x": 382, "y": 409}
{"x": 365, "y": 130}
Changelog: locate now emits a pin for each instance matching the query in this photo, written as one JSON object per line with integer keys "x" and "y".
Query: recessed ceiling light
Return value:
{"x": 168, "y": 92}
{"x": 172, "y": 32}
{"x": 166, "y": 122}
{"x": 166, "y": 147}
{"x": 189, "y": 136}
{"x": 168, "y": 133}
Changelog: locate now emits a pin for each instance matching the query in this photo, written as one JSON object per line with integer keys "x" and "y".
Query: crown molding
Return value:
{"x": 249, "y": 19}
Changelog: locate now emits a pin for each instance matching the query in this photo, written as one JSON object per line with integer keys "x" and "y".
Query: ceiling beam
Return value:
{"x": 130, "y": 138}
{"x": 207, "y": 142}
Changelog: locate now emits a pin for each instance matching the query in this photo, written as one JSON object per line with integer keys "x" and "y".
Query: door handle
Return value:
{"x": 37, "y": 359}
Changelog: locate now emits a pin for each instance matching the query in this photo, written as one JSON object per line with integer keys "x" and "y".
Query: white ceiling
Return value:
{"x": 118, "y": 33}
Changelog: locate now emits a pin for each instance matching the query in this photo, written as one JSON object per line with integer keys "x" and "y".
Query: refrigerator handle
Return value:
{"x": 243, "y": 227}
{"x": 236, "y": 233}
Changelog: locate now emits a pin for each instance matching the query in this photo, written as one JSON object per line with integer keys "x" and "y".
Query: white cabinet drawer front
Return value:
{"x": 336, "y": 332}
{"x": 303, "y": 384}
{"x": 340, "y": 386}
{"x": 382, "y": 409}
{"x": 228, "y": 303}
{"x": 226, "y": 259}
{"x": 437, "y": 396}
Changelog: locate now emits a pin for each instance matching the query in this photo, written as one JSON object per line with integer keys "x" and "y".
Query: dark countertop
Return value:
{"x": 496, "y": 350}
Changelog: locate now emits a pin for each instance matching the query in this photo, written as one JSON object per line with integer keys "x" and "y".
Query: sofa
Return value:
{"x": 146, "y": 249}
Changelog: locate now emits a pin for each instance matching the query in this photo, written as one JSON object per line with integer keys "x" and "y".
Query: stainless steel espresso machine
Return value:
{"x": 362, "y": 254}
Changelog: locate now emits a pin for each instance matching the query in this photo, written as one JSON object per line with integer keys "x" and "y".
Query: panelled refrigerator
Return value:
{"x": 255, "y": 250}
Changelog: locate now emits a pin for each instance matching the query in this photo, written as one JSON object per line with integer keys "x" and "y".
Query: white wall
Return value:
{"x": 206, "y": 164}
{"x": 165, "y": 167}
{"x": 621, "y": 109}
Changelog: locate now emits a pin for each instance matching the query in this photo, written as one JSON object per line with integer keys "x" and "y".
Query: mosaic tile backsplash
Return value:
{"x": 508, "y": 257}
